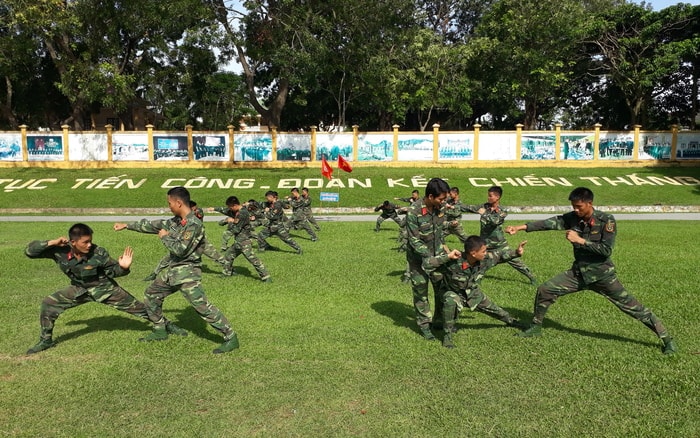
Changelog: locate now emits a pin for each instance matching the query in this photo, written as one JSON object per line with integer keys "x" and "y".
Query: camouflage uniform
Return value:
{"x": 228, "y": 233}
{"x": 299, "y": 218}
{"x": 492, "y": 232}
{"x": 389, "y": 211}
{"x": 464, "y": 286}
{"x": 592, "y": 269}
{"x": 242, "y": 244}
{"x": 184, "y": 272}
{"x": 92, "y": 280}
{"x": 453, "y": 219}
{"x": 275, "y": 226}
{"x": 425, "y": 240}
{"x": 306, "y": 209}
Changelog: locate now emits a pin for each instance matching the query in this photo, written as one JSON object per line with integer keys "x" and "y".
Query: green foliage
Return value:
{"x": 330, "y": 348}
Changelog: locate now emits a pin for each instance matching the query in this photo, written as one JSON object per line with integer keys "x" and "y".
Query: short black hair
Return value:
{"x": 180, "y": 193}
{"x": 473, "y": 243}
{"x": 436, "y": 187}
{"x": 496, "y": 189}
{"x": 231, "y": 201}
{"x": 581, "y": 194}
{"x": 269, "y": 193}
{"x": 454, "y": 189}
{"x": 295, "y": 189}
{"x": 79, "y": 230}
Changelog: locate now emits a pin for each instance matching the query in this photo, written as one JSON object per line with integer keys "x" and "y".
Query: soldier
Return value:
{"x": 228, "y": 233}
{"x": 299, "y": 218}
{"x": 493, "y": 214}
{"x": 206, "y": 249}
{"x": 453, "y": 215}
{"x": 239, "y": 225}
{"x": 592, "y": 234}
{"x": 424, "y": 224}
{"x": 307, "y": 208}
{"x": 464, "y": 275}
{"x": 415, "y": 197}
{"x": 275, "y": 226}
{"x": 182, "y": 235}
{"x": 92, "y": 272}
{"x": 388, "y": 211}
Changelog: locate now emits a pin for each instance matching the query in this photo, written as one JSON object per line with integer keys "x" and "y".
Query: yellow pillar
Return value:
{"x": 149, "y": 133}
{"x": 557, "y": 141}
{"x": 65, "y": 129}
{"x": 313, "y": 142}
{"x": 396, "y": 142}
{"x": 190, "y": 154}
{"x": 674, "y": 141}
{"x": 23, "y": 142}
{"x": 273, "y": 156}
{"x": 109, "y": 129}
{"x": 477, "y": 131}
{"x": 436, "y": 142}
{"x": 518, "y": 139}
{"x": 635, "y": 147}
{"x": 230, "y": 141}
{"x": 355, "y": 141}
{"x": 596, "y": 142}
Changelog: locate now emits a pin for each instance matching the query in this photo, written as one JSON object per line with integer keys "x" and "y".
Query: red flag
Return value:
{"x": 344, "y": 165}
{"x": 326, "y": 169}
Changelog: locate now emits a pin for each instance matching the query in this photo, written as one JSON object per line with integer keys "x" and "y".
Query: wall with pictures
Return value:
{"x": 518, "y": 148}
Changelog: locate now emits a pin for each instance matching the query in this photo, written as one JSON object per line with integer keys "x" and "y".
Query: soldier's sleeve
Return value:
{"x": 414, "y": 240}
{"x": 498, "y": 256}
{"x": 470, "y": 208}
{"x": 146, "y": 226}
{"x": 185, "y": 243}
{"x": 221, "y": 210}
{"x": 434, "y": 262}
{"x": 377, "y": 208}
{"x": 39, "y": 249}
{"x": 109, "y": 265}
{"x": 553, "y": 223}
{"x": 605, "y": 245}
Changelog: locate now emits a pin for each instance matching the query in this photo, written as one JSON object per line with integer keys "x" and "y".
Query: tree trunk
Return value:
{"x": 530, "y": 115}
{"x": 6, "y": 109}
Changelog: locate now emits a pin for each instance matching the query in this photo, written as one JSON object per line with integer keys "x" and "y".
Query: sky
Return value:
{"x": 662, "y": 4}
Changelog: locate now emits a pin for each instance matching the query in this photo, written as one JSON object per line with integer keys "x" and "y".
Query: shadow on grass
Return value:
{"x": 190, "y": 320}
{"x": 552, "y": 325}
{"x": 104, "y": 323}
{"x": 400, "y": 313}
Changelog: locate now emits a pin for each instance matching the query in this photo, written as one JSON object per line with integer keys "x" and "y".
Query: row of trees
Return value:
{"x": 374, "y": 63}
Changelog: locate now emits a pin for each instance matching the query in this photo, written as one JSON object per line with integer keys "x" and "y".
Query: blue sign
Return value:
{"x": 330, "y": 197}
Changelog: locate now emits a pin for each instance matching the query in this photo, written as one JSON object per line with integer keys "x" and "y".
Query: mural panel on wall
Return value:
{"x": 494, "y": 146}
{"x": 333, "y": 144}
{"x": 44, "y": 147}
{"x": 616, "y": 146}
{"x": 87, "y": 147}
{"x": 252, "y": 147}
{"x": 537, "y": 146}
{"x": 576, "y": 146}
{"x": 293, "y": 147}
{"x": 375, "y": 147}
{"x": 10, "y": 147}
{"x": 210, "y": 147}
{"x": 170, "y": 147}
{"x": 456, "y": 146}
{"x": 129, "y": 147}
{"x": 655, "y": 146}
{"x": 415, "y": 147}
{"x": 688, "y": 146}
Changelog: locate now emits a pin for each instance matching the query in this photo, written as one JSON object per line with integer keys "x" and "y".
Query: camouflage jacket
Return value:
{"x": 226, "y": 211}
{"x": 94, "y": 272}
{"x": 461, "y": 276}
{"x": 388, "y": 212}
{"x": 306, "y": 206}
{"x": 241, "y": 225}
{"x": 183, "y": 239}
{"x": 274, "y": 213}
{"x": 424, "y": 229}
{"x": 491, "y": 224}
{"x": 454, "y": 210}
{"x": 297, "y": 205}
{"x": 592, "y": 258}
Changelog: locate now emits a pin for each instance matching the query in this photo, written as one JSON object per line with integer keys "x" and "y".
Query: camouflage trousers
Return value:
{"x": 312, "y": 220}
{"x": 225, "y": 237}
{"x": 193, "y": 292}
{"x": 419, "y": 286}
{"x": 245, "y": 247}
{"x": 478, "y": 301}
{"x": 275, "y": 230}
{"x": 610, "y": 287}
{"x": 58, "y": 302}
{"x": 302, "y": 223}
{"x": 454, "y": 227}
{"x": 207, "y": 250}
{"x": 381, "y": 219}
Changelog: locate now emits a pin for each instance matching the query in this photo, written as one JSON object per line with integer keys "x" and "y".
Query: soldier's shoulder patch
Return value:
{"x": 424, "y": 211}
{"x": 187, "y": 235}
{"x": 610, "y": 226}
{"x": 465, "y": 265}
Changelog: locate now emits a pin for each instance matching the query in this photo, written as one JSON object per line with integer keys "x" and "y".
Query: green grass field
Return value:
{"x": 331, "y": 349}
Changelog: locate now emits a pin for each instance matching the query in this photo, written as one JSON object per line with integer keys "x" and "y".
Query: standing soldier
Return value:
{"x": 92, "y": 272}
{"x": 415, "y": 197}
{"x": 453, "y": 215}
{"x": 388, "y": 211}
{"x": 299, "y": 218}
{"x": 275, "y": 225}
{"x": 592, "y": 234}
{"x": 493, "y": 214}
{"x": 239, "y": 225}
{"x": 307, "y": 208}
{"x": 182, "y": 235}
{"x": 424, "y": 224}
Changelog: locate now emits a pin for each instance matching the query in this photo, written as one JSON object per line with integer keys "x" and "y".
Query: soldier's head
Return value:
{"x": 305, "y": 191}
{"x": 197, "y": 211}
{"x": 385, "y": 204}
{"x": 80, "y": 236}
{"x": 179, "y": 200}
{"x": 454, "y": 193}
{"x": 435, "y": 193}
{"x": 270, "y": 196}
{"x": 295, "y": 192}
{"x": 415, "y": 195}
{"x": 582, "y": 202}
{"x": 494, "y": 194}
{"x": 475, "y": 248}
{"x": 252, "y": 204}
{"x": 233, "y": 203}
